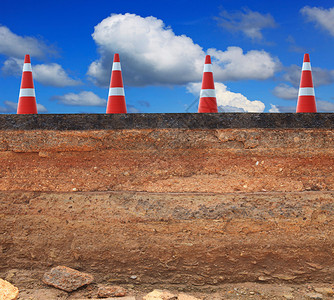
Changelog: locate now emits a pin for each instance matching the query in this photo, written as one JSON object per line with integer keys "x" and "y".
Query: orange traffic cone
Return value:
{"x": 116, "y": 99}
{"x": 207, "y": 101}
{"x": 306, "y": 97}
{"x": 27, "y": 99}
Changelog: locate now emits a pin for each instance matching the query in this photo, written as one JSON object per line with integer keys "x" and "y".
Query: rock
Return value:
{"x": 325, "y": 291}
{"x": 264, "y": 278}
{"x": 288, "y": 296}
{"x": 160, "y": 295}
{"x": 316, "y": 296}
{"x": 66, "y": 279}
{"x": 183, "y": 296}
{"x": 8, "y": 291}
{"x": 105, "y": 291}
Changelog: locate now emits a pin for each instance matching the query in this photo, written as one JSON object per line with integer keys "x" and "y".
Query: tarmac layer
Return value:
{"x": 185, "y": 120}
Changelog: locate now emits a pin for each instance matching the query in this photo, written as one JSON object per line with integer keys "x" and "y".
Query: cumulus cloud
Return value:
{"x": 320, "y": 76}
{"x": 84, "y": 98}
{"x": 151, "y": 54}
{"x": 53, "y": 75}
{"x": 325, "y": 106}
{"x": 274, "y": 108}
{"x": 17, "y": 46}
{"x": 250, "y": 23}
{"x": 285, "y": 91}
{"x": 228, "y": 101}
{"x": 233, "y": 64}
{"x": 47, "y": 74}
{"x": 11, "y": 107}
{"x": 322, "y": 106}
{"x": 323, "y": 18}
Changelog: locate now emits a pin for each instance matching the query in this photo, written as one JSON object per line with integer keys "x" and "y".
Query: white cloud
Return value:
{"x": 322, "y": 106}
{"x": 233, "y": 64}
{"x": 11, "y": 107}
{"x": 47, "y": 74}
{"x": 274, "y": 108}
{"x": 84, "y": 98}
{"x": 325, "y": 106}
{"x": 53, "y": 75}
{"x": 285, "y": 91}
{"x": 228, "y": 101}
{"x": 249, "y": 22}
{"x": 151, "y": 54}
{"x": 17, "y": 46}
{"x": 323, "y": 18}
{"x": 320, "y": 76}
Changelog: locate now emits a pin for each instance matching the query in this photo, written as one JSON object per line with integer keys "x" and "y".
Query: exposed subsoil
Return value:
{"x": 199, "y": 210}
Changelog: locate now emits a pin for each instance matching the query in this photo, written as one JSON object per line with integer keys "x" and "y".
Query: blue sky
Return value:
{"x": 256, "y": 47}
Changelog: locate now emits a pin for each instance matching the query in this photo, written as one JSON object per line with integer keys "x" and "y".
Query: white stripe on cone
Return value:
{"x": 116, "y": 66}
{"x": 27, "y": 67}
{"x": 27, "y": 93}
{"x": 306, "y": 66}
{"x": 208, "y": 93}
{"x": 207, "y": 68}
{"x": 306, "y": 92}
{"x": 116, "y": 92}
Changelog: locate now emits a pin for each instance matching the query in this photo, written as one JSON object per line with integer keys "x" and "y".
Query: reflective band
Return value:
{"x": 306, "y": 92}
{"x": 27, "y": 67}
{"x": 116, "y": 66}
{"x": 116, "y": 92}
{"x": 208, "y": 93}
{"x": 306, "y": 66}
{"x": 207, "y": 68}
{"x": 27, "y": 93}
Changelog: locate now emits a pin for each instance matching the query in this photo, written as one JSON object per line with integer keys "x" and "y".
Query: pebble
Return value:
{"x": 66, "y": 279}
{"x": 160, "y": 295}
{"x": 8, "y": 291}
{"x": 105, "y": 291}
{"x": 325, "y": 291}
{"x": 316, "y": 296}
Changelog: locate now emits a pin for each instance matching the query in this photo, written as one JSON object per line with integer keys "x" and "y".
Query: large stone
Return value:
{"x": 160, "y": 295}
{"x": 8, "y": 291}
{"x": 67, "y": 279}
{"x": 105, "y": 291}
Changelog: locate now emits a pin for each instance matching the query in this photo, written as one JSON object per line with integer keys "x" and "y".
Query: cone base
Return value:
{"x": 116, "y": 105}
{"x": 27, "y": 105}
{"x": 207, "y": 105}
{"x": 306, "y": 104}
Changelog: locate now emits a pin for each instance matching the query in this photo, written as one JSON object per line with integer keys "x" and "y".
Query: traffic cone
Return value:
{"x": 306, "y": 97}
{"x": 27, "y": 98}
{"x": 116, "y": 99}
{"x": 207, "y": 101}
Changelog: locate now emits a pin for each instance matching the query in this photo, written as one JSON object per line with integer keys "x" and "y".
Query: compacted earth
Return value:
{"x": 216, "y": 214}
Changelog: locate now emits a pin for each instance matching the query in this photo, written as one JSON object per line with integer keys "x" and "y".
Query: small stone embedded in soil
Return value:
{"x": 66, "y": 279}
{"x": 325, "y": 291}
{"x": 106, "y": 291}
{"x": 160, "y": 295}
{"x": 8, "y": 291}
{"x": 315, "y": 296}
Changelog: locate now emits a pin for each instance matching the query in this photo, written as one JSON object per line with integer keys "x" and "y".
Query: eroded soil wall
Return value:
{"x": 179, "y": 205}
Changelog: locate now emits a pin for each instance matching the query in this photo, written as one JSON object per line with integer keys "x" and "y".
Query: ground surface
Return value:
{"x": 193, "y": 209}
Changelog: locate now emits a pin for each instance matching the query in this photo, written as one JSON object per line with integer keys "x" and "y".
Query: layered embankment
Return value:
{"x": 179, "y": 198}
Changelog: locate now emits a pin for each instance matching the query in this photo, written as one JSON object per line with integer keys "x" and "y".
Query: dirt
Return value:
{"x": 217, "y": 213}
